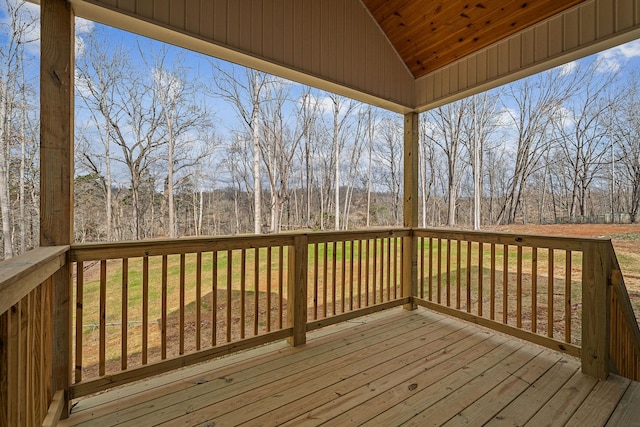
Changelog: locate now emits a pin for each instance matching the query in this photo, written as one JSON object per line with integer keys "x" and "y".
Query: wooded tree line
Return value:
{"x": 169, "y": 145}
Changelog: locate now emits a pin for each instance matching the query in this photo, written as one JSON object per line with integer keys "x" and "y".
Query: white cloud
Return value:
{"x": 565, "y": 117}
{"x": 568, "y": 68}
{"x": 612, "y": 60}
{"x": 506, "y": 117}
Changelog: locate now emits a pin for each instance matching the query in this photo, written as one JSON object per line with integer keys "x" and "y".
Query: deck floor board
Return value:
{"x": 391, "y": 368}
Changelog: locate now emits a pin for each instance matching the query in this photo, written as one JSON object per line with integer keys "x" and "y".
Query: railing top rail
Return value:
{"x": 23, "y": 273}
{"x": 538, "y": 241}
{"x": 155, "y": 247}
{"x": 133, "y": 249}
{"x": 371, "y": 233}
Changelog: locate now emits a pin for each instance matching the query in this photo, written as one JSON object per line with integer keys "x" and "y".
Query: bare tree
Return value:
{"x": 389, "y": 153}
{"x": 479, "y": 123}
{"x": 341, "y": 112}
{"x": 445, "y": 130}
{"x": 582, "y": 127}
{"x": 99, "y": 72}
{"x": 536, "y": 101}
{"x": 245, "y": 96}
{"x": 184, "y": 122}
{"x": 17, "y": 30}
{"x": 371, "y": 125}
{"x": 625, "y": 126}
{"x": 429, "y": 169}
{"x": 278, "y": 147}
{"x": 307, "y": 114}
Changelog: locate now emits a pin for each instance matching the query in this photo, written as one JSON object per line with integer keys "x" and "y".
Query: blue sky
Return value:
{"x": 622, "y": 58}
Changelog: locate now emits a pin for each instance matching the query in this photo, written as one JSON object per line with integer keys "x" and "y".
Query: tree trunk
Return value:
{"x": 255, "y": 134}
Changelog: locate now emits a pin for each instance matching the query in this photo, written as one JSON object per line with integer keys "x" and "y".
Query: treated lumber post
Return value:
{"x": 595, "y": 309}
{"x": 410, "y": 214}
{"x": 297, "y": 290}
{"x": 56, "y": 172}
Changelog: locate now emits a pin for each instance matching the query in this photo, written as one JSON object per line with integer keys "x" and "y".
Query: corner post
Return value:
{"x": 56, "y": 172}
{"x": 410, "y": 214}
{"x": 297, "y": 290}
{"x": 596, "y": 294}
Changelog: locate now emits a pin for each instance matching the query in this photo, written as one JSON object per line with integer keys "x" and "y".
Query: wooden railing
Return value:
{"x": 26, "y": 337}
{"x": 148, "y": 307}
{"x": 354, "y": 272}
{"x": 624, "y": 344}
{"x": 144, "y": 308}
{"x": 551, "y": 291}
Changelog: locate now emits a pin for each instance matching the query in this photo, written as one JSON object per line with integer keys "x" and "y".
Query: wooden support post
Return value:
{"x": 56, "y": 171}
{"x": 297, "y": 290}
{"x": 595, "y": 309}
{"x": 410, "y": 249}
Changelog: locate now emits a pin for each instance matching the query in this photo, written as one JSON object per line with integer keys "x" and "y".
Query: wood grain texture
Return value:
{"x": 392, "y": 368}
{"x": 57, "y": 46}
{"x": 297, "y": 290}
{"x": 595, "y": 314}
{"x": 429, "y": 35}
{"x": 23, "y": 273}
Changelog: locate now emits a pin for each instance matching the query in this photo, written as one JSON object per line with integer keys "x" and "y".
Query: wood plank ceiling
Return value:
{"x": 429, "y": 34}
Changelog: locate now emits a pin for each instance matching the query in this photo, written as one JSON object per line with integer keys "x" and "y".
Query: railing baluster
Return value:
{"x": 360, "y": 254}
{"x": 214, "y": 298}
{"x": 422, "y": 259}
{"x": 439, "y": 270}
{"x": 402, "y": 254}
{"x": 366, "y": 282}
{"x": 145, "y": 308}
{"x": 79, "y": 318}
{"x": 256, "y": 290}
{"x": 163, "y": 327}
{"x": 103, "y": 318}
{"x": 334, "y": 275}
{"x": 125, "y": 316}
{"x": 567, "y": 298}
{"x": 280, "y": 282}
{"x": 430, "y": 269}
{"x": 505, "y": 284}
{"x": 243, "y": 284}
{"x": 550, "y": 294}
{"x": 492, "y": 309}
{"x": 229, "y": 290}
{"x": 392, "y": 267}
{"x": 383, "y": 260}
{"x": 448, "y": 273}
{"x": 519, "y": 287}
{"x": 182, "y": 302}
{"x": 343, "y": 276}
{"x": 198, "y": 299}
{"x": 315, "y": 281}
{"x": 480, "y": 277}
{"x": 469, "y": 277}
{"x": 458, "y": 273}
{"x": 396, "y": 242}
{"x": 351, "y": 257}
{"x": 325, "y": 277}
{"x": 534, "y": 289}
{"x": 375, "y": 269}
{"x": 269, "y": 250}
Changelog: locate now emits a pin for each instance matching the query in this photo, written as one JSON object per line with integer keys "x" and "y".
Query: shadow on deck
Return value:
{"x": 391, "y": 368}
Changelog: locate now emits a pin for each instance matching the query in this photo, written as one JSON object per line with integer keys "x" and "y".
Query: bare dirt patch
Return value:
{"x": 624, "y": 237}
{"x": 575, "y": 230}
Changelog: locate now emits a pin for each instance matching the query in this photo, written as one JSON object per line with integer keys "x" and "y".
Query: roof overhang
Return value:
{"x": 354, "y": 48}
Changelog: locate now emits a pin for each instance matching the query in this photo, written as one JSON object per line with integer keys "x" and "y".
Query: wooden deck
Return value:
{"x": 392, "y": 368}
